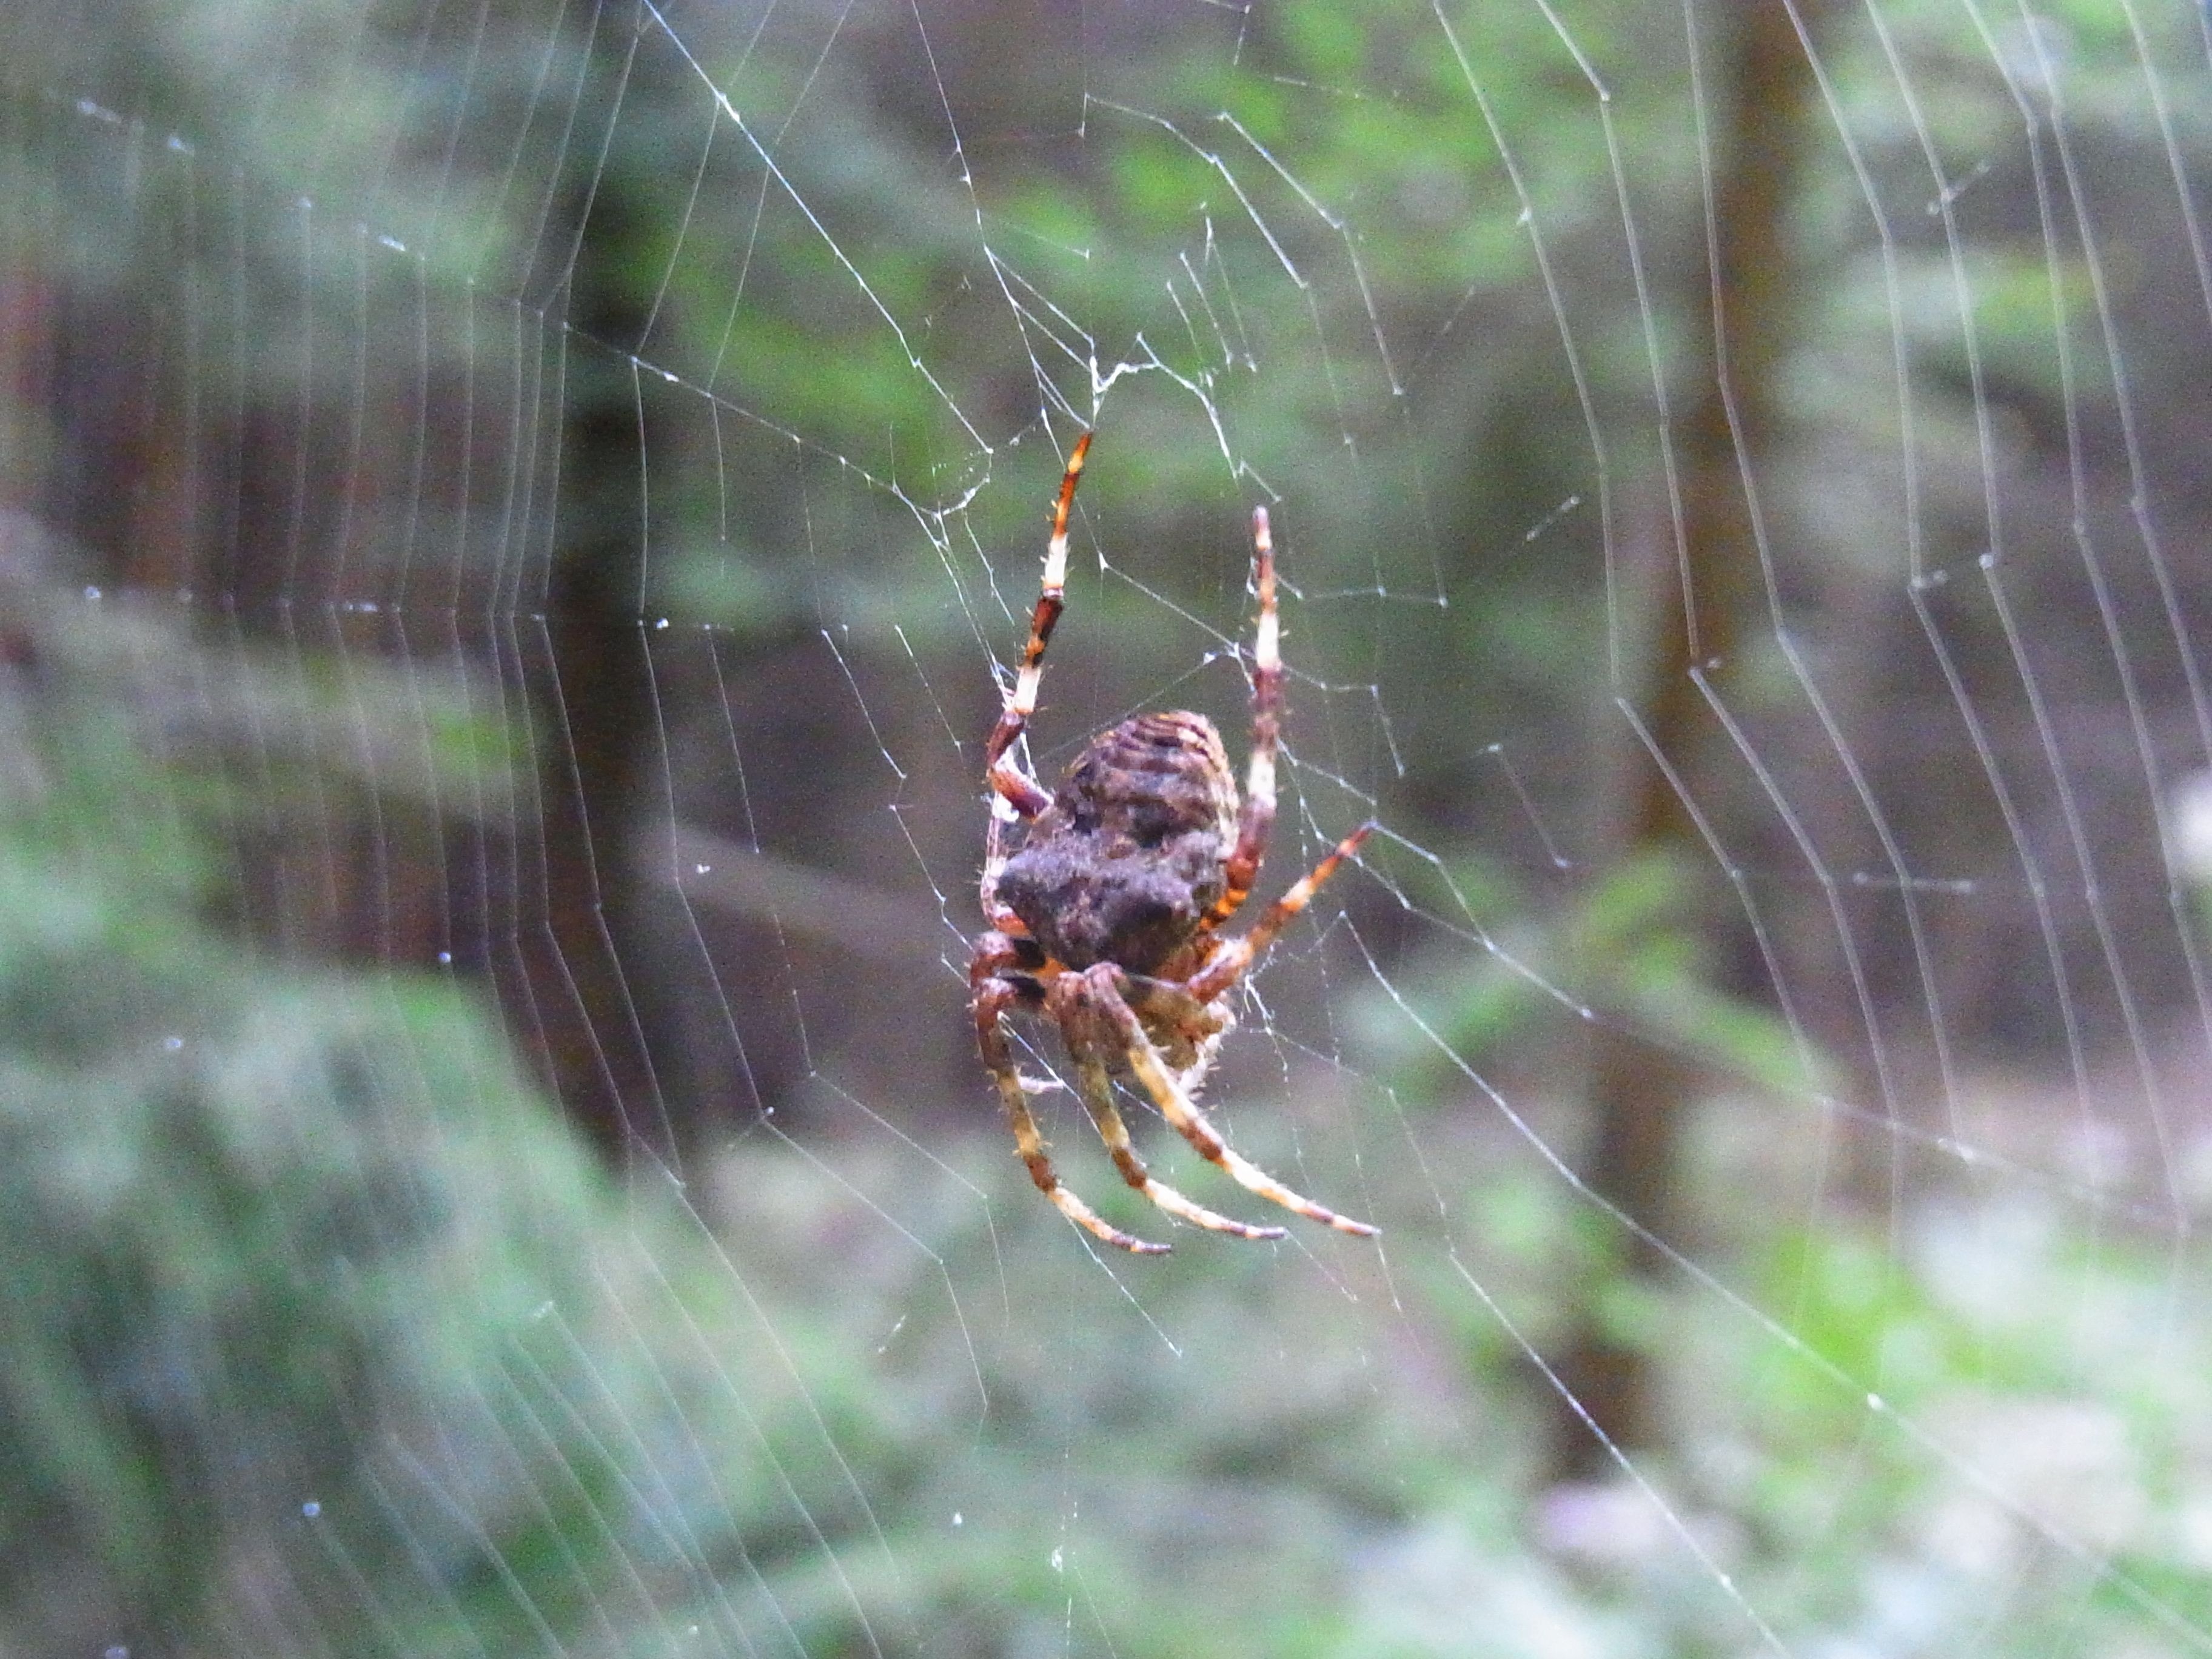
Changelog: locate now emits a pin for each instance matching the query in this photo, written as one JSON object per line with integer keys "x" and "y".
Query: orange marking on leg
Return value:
{"x": 1237, "y": 955}
{"x": 1050, "y": 603}
{"x": 1023, "y": 793}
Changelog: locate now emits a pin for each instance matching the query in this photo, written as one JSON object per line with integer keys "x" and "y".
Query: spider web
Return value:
{"x": 519, "y": 520}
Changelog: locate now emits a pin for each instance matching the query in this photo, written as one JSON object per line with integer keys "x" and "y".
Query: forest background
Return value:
{"x": 517, "y": 521}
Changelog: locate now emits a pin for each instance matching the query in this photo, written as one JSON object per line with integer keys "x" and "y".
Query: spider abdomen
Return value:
{"x": 1129, "y": 858}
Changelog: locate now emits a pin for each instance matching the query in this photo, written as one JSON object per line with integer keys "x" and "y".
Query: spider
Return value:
{"x": 1108, "y": 919}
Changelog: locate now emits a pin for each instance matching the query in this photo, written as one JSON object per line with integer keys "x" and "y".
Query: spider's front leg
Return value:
{"x": 1016, "y": 797}
{"x": 994, "y": 996}
{"x": 1256, "y": 819}
{"x": 1072, "y": 1005}
{"x": 1189, "y": 1033}
{"x": 1012, "y": 783}
{"x": 1101, "y": 989}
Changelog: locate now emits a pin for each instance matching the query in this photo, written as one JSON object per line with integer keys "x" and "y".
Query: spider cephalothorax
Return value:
{"x": 1107, "y": 919}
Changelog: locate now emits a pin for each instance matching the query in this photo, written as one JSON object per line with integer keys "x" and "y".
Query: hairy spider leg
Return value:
{"x": 1228, "y": 964}
{"x": 1257, "y": 817}
{"x": 1015, "y": 787}
{"x": 1097, "y": 1088}
{"x": 1101, "y": 985}
{"x": 1016, "y": 797}
{"x": 994, "y": 995}
{"x": 1171, "y": 1012}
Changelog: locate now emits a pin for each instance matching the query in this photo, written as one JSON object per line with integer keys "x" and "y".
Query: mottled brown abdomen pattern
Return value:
{"x": 1128, "y": 859}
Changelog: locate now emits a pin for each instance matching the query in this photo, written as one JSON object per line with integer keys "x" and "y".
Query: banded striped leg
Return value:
{"x": 1227, "y": 964}
{"x": 994, "y": 997}
{"x": 1013, "y": 784}
{"x": 1097, "y": 1091}
{"x": 1257, "y": 818}
{"x": 1016, "y": 797}
{"x": 1151, "y": 1070}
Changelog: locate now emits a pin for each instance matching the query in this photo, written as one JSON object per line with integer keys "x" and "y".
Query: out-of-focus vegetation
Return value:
{"x": 320, "y": 1330}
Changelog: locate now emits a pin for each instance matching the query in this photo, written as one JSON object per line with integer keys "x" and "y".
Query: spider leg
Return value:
{"x": 994, "y": 997}
{"x": 1092, "y": 1083}
{"x": 1016, "y": 797}
{"x": 1227, "y": 965}
{"x": 1153, "y": 1071}
{"x": 1257, "y": 817}
{"x": 1195, "y": 1028}
{"x": 1021, "y": 792}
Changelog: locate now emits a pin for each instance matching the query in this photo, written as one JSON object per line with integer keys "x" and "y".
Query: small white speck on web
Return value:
{"x": 958, "y": 1519}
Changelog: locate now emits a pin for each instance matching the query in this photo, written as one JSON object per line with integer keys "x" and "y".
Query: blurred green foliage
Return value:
{"x": 1635, "y": 943}
{"x": 320, "y": 1321}
{"x": 320, "y": 1328}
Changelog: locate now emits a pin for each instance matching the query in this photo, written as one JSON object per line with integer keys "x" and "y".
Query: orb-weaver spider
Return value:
{"x": 1108, "y": 919}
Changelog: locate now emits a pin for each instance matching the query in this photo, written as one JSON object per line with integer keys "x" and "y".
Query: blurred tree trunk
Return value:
{"x": 1641, "y": 1092}
{"x": 593, "y": 701}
